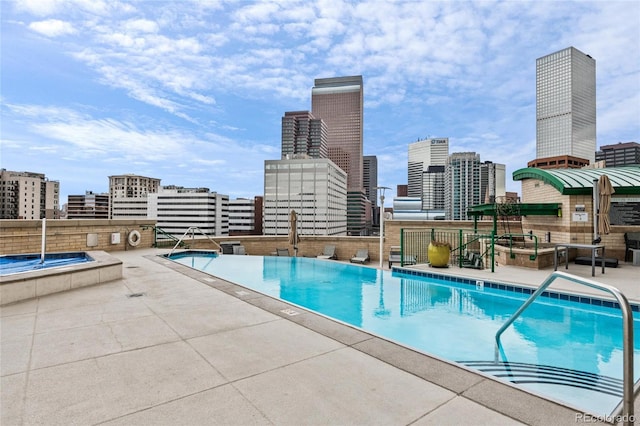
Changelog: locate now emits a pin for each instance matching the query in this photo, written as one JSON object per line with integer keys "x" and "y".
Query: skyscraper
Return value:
{"x": 422, "y": 154}
{"x": 370, "y": 176}
{"x": 462, "y": 184}
{"x": 338, "y": 102}
{"x": 566, "y": 105}
{"x": 303, "y": 135}
{"x": 370, "y": 183}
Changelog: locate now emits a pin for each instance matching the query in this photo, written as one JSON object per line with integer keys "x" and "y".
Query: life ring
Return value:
{"x": 134, "y": 238}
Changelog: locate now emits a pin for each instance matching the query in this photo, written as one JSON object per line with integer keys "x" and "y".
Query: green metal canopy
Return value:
{"x": 625, "y": 180}
{"x": 519, "y": 209}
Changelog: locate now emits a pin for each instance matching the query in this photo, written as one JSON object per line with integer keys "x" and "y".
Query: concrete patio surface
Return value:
{"x": 167, "y": 345}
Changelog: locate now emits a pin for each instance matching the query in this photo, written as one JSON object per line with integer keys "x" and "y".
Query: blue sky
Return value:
{"x": 193, "y": 92}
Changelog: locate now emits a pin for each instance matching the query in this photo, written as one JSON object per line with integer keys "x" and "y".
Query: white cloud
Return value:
{"x": 141, "y": 26}
{"x": 447, "y": 68}
{"x": 52, "y": 27}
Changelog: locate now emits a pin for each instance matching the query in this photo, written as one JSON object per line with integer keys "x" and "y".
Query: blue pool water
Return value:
{"x": 13, "y": 264}
{"x": 562, "y": 349}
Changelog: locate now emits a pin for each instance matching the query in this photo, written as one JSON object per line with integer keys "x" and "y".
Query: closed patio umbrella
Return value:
{"x": 294, "y": 238}
{"x": 605, "y": 189}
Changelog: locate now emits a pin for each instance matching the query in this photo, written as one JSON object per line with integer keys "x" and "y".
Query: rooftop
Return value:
{"x": 625, "y": 180}
{"x": 170, "y": 345}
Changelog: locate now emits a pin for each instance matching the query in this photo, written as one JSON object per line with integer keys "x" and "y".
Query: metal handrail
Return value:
{"x": 531, "y": 236}
{"x": 193, "y": 228}
{"x": 627, "y": 333}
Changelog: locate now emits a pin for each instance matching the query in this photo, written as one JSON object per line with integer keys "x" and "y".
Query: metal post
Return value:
{"x": 381, "y": 227}
{"x": 44, "y": 239}
{"x": 381, "y": 189}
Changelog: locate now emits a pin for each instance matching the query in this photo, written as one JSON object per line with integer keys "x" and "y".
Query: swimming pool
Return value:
{"x": 564, "y": 347}
{"x": 13, "y": 264}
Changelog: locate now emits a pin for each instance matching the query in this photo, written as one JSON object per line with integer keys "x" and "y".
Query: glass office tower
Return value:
{"x": 338, "y": 102}
{"x": 566, "y": 105}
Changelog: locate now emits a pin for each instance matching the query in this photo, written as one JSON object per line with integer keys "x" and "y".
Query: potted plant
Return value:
{"x": 439, "y": 252}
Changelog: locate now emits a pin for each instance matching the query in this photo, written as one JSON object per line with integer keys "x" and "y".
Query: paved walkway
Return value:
{"x": 169, "y": 345}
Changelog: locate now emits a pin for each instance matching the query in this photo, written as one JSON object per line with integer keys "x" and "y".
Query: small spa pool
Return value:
{"x": 17, "y": 263}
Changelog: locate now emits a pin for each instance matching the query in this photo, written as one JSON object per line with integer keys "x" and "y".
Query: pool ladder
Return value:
{"x": 627, "y": 335}
{"x": 192, "y": 229}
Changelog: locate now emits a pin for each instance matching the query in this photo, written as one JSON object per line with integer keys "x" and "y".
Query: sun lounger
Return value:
{"x": 361, "y": 256}
{"x": 282, "y": 252}
{"x": 328, "y": 253}
{"x": 394, "y": 257}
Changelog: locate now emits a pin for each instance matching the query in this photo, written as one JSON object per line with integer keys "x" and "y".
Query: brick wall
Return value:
{"x": 563, "y": 229}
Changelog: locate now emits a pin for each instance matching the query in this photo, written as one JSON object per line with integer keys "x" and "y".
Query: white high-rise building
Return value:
{"x": 566, "y": 105}
{"x": 423, "y": 155}
{"x": 176, "y": 209}
{"x": 315, "y": 188}
{"x": 128, "y": 195}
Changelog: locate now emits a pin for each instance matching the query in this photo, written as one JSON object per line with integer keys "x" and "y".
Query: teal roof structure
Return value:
{"x": 625, "y": 180}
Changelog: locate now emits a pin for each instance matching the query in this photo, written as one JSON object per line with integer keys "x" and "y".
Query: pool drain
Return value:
{"x": 135, "y": 294}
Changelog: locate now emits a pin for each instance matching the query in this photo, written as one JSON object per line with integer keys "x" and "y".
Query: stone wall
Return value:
{"x": 25, "y": 236}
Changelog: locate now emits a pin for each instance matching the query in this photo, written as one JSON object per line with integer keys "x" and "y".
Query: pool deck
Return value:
{"x": 169, "y": 345}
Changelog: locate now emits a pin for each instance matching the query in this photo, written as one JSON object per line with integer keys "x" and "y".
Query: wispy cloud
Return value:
{"x": 216, "y": 76}
{"x": 52, "y": 27}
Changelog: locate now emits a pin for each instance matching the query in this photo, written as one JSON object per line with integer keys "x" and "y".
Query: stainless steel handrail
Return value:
{"x": 194, "y": 228}
{"x": 627, "y": 334}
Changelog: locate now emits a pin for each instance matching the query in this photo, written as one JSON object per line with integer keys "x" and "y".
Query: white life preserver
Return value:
{"x": 134, "y": 238}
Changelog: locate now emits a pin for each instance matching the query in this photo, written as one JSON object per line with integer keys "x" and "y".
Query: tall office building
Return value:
{"x": 370, "y": 182}
{"x": 303, "y": 135}
{"x": 426, "y": 171}
{"x": 370, "y": 177}
{"x": 28, "y": 195}
{"x": 422, "y": 154}
{"x": 128, "y": 195}
{"x": 566, "y": 105}
{"x": 338, "y": 101}
{"x": 315, "y": 188}
{"x": 433, "y": 184}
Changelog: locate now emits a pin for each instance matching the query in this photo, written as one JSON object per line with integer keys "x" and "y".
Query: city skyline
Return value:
{"x": 194, "y": 95}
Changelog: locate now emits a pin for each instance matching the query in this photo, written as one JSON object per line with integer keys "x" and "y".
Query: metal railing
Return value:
{"x": 166, "y": 237}
{"x": 414, "y": 242}
{"x": 510, "y": 238}
{"x": 192, "y": 229}
{"x": 627, "y": 334}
